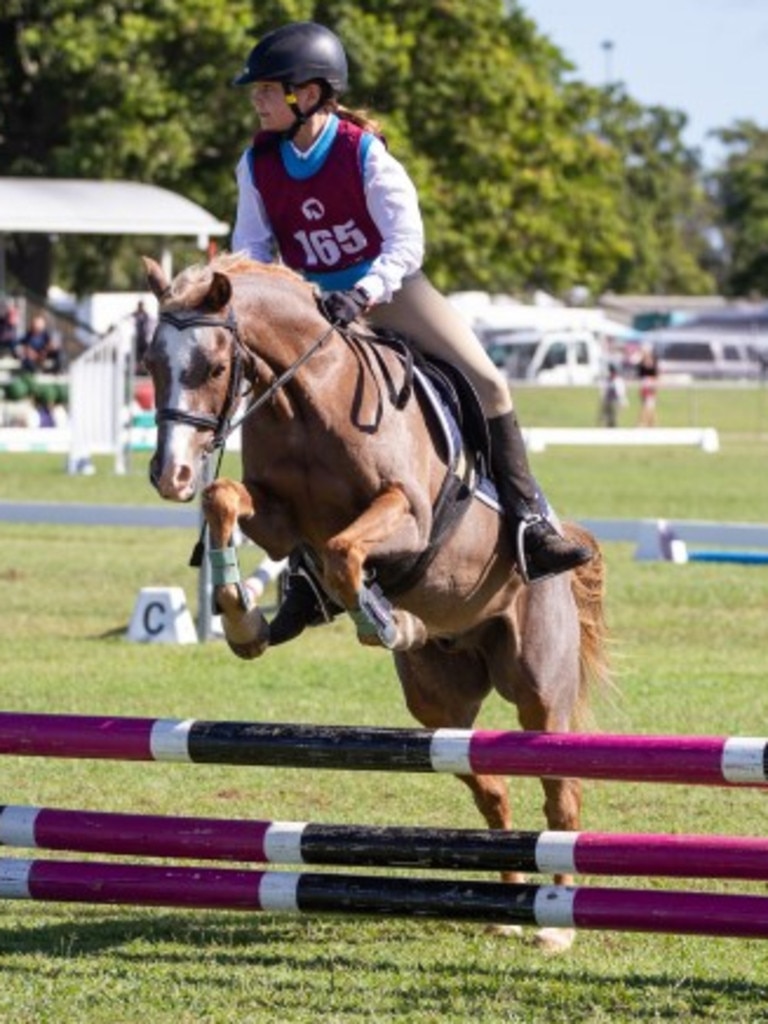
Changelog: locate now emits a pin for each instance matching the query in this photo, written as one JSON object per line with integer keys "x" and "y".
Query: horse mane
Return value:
{"x": 232, "y": 264}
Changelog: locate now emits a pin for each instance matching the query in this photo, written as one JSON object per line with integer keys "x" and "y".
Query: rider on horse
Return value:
{"x": 319, "y": 187}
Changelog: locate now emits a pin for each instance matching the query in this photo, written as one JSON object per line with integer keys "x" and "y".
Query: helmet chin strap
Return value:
{"x": 302, "y": 116}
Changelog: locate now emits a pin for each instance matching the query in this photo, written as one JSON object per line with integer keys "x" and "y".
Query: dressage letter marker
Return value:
{"x": 161, "y": 616}
{"x": 699, "y": 760}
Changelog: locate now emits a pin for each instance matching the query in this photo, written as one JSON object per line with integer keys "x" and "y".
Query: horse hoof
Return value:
{"x": 555, "y": 941}
{"x": 369, "y": 640}
{"x": 247, "y": 651}
{"x": 248, "y": 638}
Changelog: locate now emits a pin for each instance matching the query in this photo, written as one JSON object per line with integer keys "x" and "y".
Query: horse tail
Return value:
{"x": 588, "y": 586}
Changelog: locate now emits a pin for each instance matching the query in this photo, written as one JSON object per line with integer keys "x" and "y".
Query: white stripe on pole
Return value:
{"x": 555, "y": 852}
{"x": 14, "y": 879}
{"x": 278, "y": 891}
{"x": 553, "y": 906}
{"x": 17, "y": 826}
{"x": 282, "y": 842}
{"x": 169, "y": 740}
{"x": 449, "y": 751}
{"x": 743, "y": 759}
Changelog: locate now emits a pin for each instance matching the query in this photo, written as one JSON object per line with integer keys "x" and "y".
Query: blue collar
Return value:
{"x": 301, "y": 166}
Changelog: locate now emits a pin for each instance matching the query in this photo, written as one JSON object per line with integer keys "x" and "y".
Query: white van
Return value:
{"x": 704, "y": 355}
{"x": 546, "y": 357}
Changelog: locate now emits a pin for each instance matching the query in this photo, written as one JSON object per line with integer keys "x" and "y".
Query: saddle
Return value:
{"x": 450, "y": 399}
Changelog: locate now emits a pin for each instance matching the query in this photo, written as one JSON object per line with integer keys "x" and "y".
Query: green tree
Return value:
{"x": 665, "y": 208}
{"x": 129, "y": 89}
{"x": 741, "y": 192}
{"x": 527, "y": 177}
{"x": 515, "y": 192}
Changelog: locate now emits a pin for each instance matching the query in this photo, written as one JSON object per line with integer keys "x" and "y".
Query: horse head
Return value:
{"x": 195, "y": 361}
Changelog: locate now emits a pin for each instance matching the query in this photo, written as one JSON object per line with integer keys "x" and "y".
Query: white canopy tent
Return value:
{"x": 55, "y": 206}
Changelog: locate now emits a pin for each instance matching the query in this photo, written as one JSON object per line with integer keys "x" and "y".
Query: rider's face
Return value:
{"x": 271, "y": 105}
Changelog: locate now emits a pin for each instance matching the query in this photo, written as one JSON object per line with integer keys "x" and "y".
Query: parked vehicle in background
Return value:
{"x": 545, "y": 357}
{"x": 544, "y": 343}
{"x": 705, "y": 355}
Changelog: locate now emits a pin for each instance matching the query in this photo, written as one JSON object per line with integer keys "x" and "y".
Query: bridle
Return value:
{"x": 220, "y": 424}
{"x": 225, "y": 423}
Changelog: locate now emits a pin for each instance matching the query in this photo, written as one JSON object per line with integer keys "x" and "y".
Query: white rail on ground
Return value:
{"x": 140, "y": 435}
{"x": 538, "y": 439}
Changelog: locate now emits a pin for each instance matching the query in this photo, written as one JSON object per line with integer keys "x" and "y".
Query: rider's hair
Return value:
{"x": 361, "y": 118}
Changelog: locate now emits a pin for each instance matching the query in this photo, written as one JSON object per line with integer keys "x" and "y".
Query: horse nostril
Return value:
{"x": 183, "y": 475}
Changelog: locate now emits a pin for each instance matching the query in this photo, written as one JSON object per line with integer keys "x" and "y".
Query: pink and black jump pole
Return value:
{"x": 689, "y": 760}
{"x": 305, "y": 843}
{"x": 736, "y": 916}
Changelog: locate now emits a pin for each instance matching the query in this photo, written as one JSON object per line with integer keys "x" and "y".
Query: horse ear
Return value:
{"x": 219, "y": 293}
{"x": 156, "y": 278}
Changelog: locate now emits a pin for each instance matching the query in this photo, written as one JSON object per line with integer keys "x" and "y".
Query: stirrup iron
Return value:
{"x": 522, "y": 562}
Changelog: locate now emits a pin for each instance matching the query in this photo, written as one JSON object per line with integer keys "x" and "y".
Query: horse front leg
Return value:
{"x": 245, "y": 628}
{"x": 378, "y": 623}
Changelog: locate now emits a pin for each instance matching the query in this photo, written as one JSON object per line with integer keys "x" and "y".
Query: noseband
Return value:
{"x": 220, "y": 425}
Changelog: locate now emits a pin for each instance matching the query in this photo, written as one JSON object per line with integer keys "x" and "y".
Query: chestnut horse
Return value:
{"x": 341, "y": 458}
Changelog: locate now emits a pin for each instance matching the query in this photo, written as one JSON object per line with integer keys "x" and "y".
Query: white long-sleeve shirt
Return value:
{"x": 392, "y": 203}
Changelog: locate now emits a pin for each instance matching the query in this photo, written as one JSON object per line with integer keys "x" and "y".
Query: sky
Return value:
{"x": 708, "y": 58}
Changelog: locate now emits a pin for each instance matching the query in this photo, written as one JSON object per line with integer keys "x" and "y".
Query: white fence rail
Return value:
{"x": 100, "y": 384}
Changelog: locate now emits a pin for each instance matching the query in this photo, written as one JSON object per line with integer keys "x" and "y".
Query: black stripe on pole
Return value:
{"x": 314, "y": 746}
{"x": 405, "y": 897}
{"x": 765, "y": 762}
{"x": 439, "y": 849}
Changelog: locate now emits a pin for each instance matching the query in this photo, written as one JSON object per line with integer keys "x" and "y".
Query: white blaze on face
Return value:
{"x": 182, "y": 445}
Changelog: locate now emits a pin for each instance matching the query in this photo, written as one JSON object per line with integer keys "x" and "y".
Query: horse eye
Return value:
{"x": 217, "y": 370}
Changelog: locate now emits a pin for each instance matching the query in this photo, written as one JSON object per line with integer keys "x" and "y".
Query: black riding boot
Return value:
{"x": 541, "y": 550}
{"x": 303, "y": 604}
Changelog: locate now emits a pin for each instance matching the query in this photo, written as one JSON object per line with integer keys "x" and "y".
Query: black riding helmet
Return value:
{"x": 300, "y": 52}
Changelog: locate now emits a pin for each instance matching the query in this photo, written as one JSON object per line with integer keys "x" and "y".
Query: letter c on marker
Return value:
{"x": 151, "y": 608}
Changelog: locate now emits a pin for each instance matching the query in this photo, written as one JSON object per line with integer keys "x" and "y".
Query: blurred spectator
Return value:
{"x": 38, "y": 349}
{"x": 44, "y": 408}
{"x": 648, "y": 372}
{"x": 614, "y": 397}
{"x": 142, "y": 332}
{"x": 9, "y": 328}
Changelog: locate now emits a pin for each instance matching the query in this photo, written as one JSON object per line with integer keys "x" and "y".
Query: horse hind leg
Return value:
{"x": 445, "y": 690}
{"x": 245, "y": 628}
{"x": 549, "y": 694}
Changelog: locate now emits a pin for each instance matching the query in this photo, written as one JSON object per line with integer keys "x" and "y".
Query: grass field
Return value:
{"x": 689, "y": 645}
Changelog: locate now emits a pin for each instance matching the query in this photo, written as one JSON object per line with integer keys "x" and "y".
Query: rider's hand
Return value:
{"x": 342, "y": 308}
